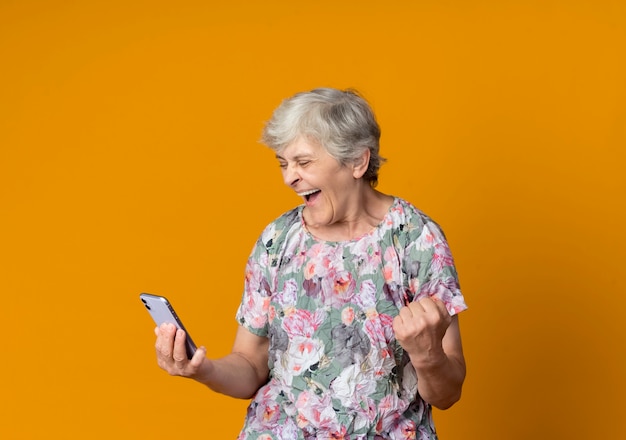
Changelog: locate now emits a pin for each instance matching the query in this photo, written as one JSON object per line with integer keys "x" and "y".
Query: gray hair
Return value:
{"x": 340, "y": 120}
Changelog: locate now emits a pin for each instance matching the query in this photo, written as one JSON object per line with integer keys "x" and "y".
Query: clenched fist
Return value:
{"x": 420, "y": 328}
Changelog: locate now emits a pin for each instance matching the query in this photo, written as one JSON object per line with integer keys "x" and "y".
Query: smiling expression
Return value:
{"x": 329, "y": 189}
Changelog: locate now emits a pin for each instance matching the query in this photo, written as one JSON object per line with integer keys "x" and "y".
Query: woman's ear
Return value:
{"x": 361, "y": 164}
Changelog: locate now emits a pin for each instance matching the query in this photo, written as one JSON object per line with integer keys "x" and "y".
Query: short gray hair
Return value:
{"x": 342, "y": 121}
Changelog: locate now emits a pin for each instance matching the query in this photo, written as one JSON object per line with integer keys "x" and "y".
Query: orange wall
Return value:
{"x": 129, "y": 162}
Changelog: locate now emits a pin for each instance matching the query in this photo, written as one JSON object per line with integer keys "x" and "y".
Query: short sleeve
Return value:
{"x": 261, "y": 273}
{"x": 430, "y": 268}
{"x": 255, "y": 301}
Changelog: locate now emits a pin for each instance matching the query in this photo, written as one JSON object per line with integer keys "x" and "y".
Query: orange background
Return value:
{"x": 129, "y": 162}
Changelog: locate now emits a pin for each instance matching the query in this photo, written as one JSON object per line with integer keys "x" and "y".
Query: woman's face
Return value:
{"x": 327, "y": 187}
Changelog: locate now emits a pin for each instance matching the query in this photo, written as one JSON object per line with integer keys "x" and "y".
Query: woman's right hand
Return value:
{"x": 172, "y": 355}
{"x": 238, "y": 374}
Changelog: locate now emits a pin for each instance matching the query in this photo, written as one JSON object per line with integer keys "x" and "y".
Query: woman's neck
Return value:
{"x": 371, "y": 207}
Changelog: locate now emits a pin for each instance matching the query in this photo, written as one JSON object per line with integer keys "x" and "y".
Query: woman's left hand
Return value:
{"x": 420, "y": 328}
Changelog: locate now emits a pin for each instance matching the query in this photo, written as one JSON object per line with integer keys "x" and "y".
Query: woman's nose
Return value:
{"x": 290, "y": 176}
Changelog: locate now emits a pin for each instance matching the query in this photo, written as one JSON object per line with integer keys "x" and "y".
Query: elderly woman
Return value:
{"x": 348, "y": 321}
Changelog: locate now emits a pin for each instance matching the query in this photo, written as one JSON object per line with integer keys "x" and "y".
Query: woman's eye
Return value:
{"x": 304, "y": 163}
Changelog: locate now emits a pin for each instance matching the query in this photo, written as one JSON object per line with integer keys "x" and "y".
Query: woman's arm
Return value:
{"x": 432, "y": 339}
{"x": 239, "y": 374}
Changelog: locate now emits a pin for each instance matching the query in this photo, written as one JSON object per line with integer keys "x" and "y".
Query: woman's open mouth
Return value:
{"x": 309, "y": 196}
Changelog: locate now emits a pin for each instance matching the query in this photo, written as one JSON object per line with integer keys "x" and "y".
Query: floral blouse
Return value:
{"x": 336, "y": 370}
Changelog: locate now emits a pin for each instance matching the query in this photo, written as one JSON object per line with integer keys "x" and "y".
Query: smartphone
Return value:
{"x": 162, "y": 311}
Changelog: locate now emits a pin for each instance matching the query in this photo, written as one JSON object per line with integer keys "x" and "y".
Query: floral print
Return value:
{"x": 336, "y": 370}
